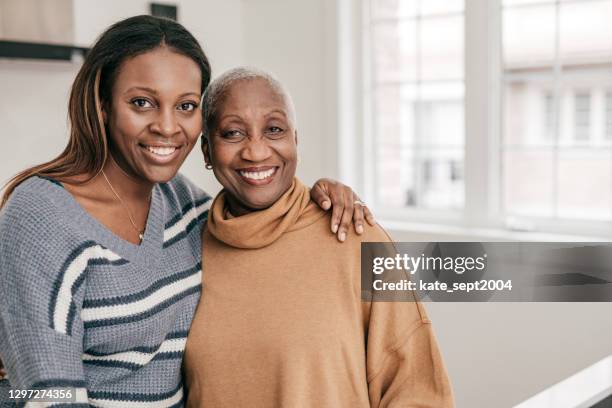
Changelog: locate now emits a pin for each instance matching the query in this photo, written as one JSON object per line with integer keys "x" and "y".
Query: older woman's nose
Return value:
{"x": 256, "y": 150}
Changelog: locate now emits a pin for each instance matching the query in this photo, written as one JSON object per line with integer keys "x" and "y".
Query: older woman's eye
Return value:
{"x": 275, "y": 131}
{"x": 187, "y": 106}
{"x": 141, "y": 103}
{"x": 232, "y": 135}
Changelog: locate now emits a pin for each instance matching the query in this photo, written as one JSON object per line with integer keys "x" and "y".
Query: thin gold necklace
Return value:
{"x": 127, "y": 210}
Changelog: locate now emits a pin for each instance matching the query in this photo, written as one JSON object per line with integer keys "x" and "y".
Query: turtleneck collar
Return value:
{"x": 292, "y": 211}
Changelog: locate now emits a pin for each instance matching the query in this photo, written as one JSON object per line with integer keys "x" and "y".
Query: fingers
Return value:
{"x": 342, "y": 200}
{"x": 319, "y": 195}
{"x": 347, "y": 214}
{"x": 369, "y": 216}
{"x": 337, "y": 200}
{"x": 358, "y": 215}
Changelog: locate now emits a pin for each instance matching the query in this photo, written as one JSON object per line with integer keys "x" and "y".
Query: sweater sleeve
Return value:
{"x": 404, "y": 364}
{"x": 41, "y": 333}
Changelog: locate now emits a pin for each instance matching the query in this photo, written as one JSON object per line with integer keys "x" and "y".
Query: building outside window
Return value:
{"x": 555, "y": 105}
{"x": 582, "y": 116}
{"x": 417, "y": 54}
{"x": 608, "y": 117}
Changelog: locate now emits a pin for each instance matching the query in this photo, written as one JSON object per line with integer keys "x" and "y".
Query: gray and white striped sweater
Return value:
{"x": 82, "y": 308}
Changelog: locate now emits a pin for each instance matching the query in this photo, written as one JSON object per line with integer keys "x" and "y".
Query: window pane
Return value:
{"x": 529, "y": 36}
{"x": 393, "y": 8}
{"x": 549, "y": 117}
{"x": 529, "y": 112}
{"x": 582, "y": 116}
{"x": 586, "y": 31}
{"x": 395, "y": 133}
{"x": 419, "y": 113}
{"x": 441, "y": 178}
{"x": 585, "y": 184}
{"x": 394, "y": 51}
{"x": 441, "y": 115}
{"x": 524, "y": 2}
{"x": 441, "y": 46}
{"x": 528, "y": 182}
{"x": 608, "y": 119}
{"x": 441, "y": 6}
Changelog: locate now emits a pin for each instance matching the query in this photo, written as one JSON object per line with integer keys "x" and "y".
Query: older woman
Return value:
{"x": 281, "y": 322}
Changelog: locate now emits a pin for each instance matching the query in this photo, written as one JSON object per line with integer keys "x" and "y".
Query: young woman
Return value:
{"x": 281, "y": 322}
{"x": 100, "y": 251}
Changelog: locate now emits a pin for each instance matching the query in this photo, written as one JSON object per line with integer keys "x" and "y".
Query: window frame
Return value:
{"x": 483, "y": 109}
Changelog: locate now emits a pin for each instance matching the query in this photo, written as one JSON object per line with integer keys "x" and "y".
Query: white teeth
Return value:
{"x": 258, "y": 175}
{"x": 161, "y": 151}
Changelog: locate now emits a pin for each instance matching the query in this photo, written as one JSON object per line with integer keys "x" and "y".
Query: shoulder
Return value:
{"x": 184, "y": 191}
{"x": 35, "y": 201}
{"x": 322, "y": 221}
{"x": 37, "y": 231}
{"x": 374, "y": 233}
{"x": 186, "y": 207}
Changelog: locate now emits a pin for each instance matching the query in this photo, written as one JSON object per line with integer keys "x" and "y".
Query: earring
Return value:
{"x": 208, "y": 166}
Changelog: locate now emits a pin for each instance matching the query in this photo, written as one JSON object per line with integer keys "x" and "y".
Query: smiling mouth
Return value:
{"x": 161, "y": 151}
{"x": 258, "y": 176}
{"x": 161, "y": 154}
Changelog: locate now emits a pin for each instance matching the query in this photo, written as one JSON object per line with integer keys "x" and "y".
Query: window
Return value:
{"x": 417, "y": 82}
{"x": 608, "y": 126}
{"x": 546, "y": 112}
{"x": 564, "y": 46}
{"x": 582, "y": 116}
{"x": 549, "y": 117}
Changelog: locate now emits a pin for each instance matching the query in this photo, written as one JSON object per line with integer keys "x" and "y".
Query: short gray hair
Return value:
{"x": 217, "y": 90}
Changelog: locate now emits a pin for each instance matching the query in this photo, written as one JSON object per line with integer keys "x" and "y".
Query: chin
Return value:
{"x": 162, "y": 176}
{"x": 262, "y": 202}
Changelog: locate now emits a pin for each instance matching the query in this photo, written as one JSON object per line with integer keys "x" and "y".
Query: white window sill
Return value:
{"x": 428, "y": 232}
{"x": 581, "y": 390}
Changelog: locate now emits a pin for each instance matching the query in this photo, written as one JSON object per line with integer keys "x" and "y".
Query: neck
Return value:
{"x": 237, "y": 208}
{"x": 129, "y": 188}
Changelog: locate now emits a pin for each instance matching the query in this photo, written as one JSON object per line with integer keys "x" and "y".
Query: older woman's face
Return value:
{"x": 253, "y": 147}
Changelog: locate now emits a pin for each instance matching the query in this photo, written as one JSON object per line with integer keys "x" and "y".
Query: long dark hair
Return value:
{"x": 87, "y": 149}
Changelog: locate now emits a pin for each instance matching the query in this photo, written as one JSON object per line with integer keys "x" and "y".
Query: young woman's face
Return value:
{"x": 253, "y": 147}
{"x": 154, "y": 118}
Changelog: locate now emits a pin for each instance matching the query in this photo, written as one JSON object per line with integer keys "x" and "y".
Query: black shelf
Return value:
{"x": 39, "y": 51}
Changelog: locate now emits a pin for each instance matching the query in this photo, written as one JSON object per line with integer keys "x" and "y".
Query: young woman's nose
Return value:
{"x": 166, "y": 123}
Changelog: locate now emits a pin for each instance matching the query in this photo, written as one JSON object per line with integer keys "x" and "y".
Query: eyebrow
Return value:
{"x": 231, "y": 115}
{"x": 154, "y": 92}
{"x": 277, "y": 111}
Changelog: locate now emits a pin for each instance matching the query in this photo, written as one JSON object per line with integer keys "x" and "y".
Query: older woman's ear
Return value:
{"x": 206, "y": 151}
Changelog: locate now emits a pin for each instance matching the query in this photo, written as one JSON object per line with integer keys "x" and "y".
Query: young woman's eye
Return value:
{"x": 187, "y": 106}
{"x": 141, "y": 103}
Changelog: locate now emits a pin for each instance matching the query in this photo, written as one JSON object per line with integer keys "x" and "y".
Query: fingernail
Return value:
{"x": 360, "y": 229}
{"x": 326, "y": 205}
{"x": 342, "y": 236}
{"x": 335, "y": 228}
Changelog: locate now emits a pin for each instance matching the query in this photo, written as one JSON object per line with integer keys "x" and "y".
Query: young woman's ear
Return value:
{"x": 104, "y": 114}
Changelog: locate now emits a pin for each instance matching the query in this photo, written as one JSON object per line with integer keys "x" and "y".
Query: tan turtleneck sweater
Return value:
{"x": 281, "y": 322}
